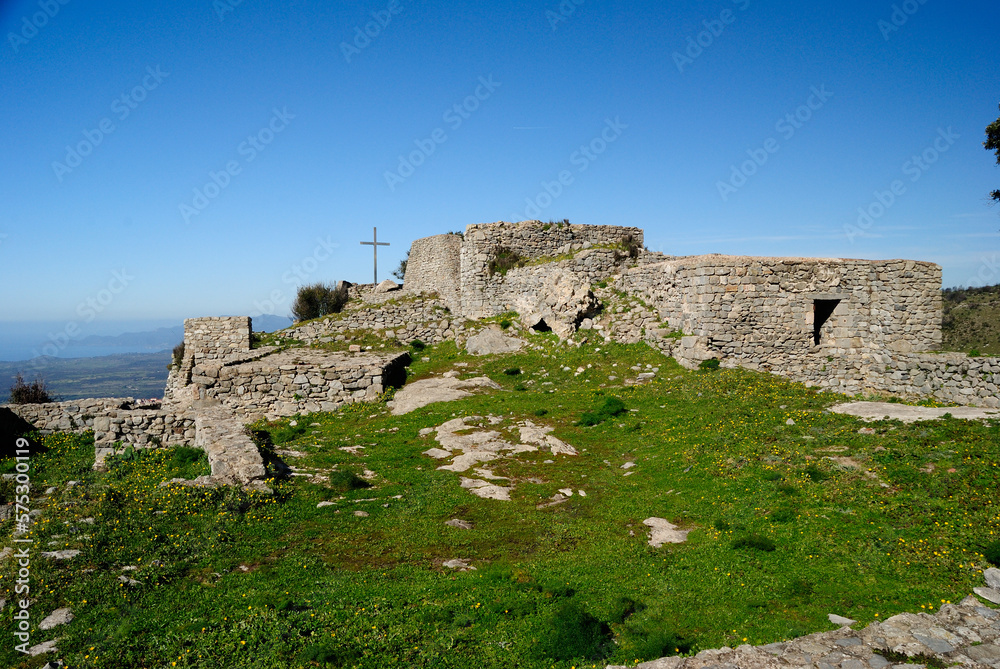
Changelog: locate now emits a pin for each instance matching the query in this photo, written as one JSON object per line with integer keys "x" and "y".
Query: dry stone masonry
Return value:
{"x": 849, "y": 326}
{"x": 844, "y": 325}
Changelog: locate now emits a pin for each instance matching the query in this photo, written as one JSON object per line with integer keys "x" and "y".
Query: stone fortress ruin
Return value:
{"x": 850, "y": 326}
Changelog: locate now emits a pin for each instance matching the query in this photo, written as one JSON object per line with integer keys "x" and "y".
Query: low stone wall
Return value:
{"x": 950, "y": 377}
{"x": 140, "y": 428}
{"x": 404, "y": 318}
{"x": 71, "y": 416}
{"x": 298, "y": 381}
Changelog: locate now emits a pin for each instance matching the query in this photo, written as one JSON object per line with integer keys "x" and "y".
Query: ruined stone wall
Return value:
{"x": 402, "y": 317}
{"x": 759, "y": 311}
{"x": 948, "y": 377}
{"x": 297, "y": 381}
{"x": 113, "y": 420}
{"x": 434, "y": 266}
{"x": 216, "y": 338}
{"x": 485, "y": 295}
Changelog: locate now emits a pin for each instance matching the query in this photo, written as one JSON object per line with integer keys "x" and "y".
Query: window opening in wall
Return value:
{"x": 822, "y": 310}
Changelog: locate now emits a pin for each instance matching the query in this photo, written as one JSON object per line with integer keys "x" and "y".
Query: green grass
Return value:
{"x": 971, "y": 322}
{"x": 247, "y": 580}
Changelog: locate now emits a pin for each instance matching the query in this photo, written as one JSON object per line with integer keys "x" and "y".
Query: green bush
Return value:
{"x": 709, "y": 365}
{"x": 572, "y": 633}
{"x": 35, "y": 392}
{"x": 504, "y": 324}
{"x": 624, "y": 608}
{"x": 178, "y": 355}
{"x": 816, "y": 474}
{"x": 344, "y": 481}
{"x": 317, "y": 300}
{"x": 628, "y": 247}
{"x": 504, "y": 260}
{"x": 992, "y": 553}
{"x": 512, "y": 371}
{"x": 541, "y": 412}
{"x": 611, "y": 407}
{"x": 417, "y": 345}
{"x": 721, "y": 525}
{"x": 974, "y": 353}
{"x": 783, "y": 516}
{"x": 754, "y": 542}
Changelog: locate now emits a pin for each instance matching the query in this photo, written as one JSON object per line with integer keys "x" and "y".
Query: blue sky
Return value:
{"x": 220, "y": 154}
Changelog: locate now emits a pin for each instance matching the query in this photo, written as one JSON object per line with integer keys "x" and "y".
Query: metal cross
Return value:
{"x": 375, "y": 243}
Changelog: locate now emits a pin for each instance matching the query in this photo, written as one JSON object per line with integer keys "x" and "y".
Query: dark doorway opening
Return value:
{"x": 541, "y": 326}
{"x": 822, "y": 310}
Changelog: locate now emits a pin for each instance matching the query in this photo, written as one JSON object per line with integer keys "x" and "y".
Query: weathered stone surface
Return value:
{"x": 664, "y": 532}
{"x": 840, "y": 620}
{"x": 492, "y": 342}
{"x": 56, "y": 618}
{"x": 992, "y": 577}
{"x": 68, "y": 554}
{"x": 386, "y": 286}
{"x": 427, "y": 391}
{"x": 909, "y": 414}
{"x": 458, "y": 523}
{"x": 988, "y": 594}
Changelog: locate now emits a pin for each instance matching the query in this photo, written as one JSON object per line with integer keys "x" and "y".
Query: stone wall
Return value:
{"x": 216, "y": 338}
{"x": 113, "y": 420}
{"x": 948, "y": 377}
{"x": 297, "y": 381}
{"x": 760, "y": 311}
{"x": 434, "y": 266}
{"x": 403, "y": 317}
{"x": 483, "y": 295}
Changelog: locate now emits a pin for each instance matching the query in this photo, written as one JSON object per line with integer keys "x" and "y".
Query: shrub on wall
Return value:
{"x": 178, "y": 355}
{"x": 504, "y": 260}
{"x": 35, "y": 392}
{"x": 317, "y": 300}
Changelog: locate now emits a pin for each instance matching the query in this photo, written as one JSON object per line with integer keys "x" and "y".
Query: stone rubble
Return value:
{"x": 966, "y": 634}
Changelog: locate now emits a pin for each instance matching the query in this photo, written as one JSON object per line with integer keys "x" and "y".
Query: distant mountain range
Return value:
{"x": 128, "y": 374}
{"x": 166, "y": 338}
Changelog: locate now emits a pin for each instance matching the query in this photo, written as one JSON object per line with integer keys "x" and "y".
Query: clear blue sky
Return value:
{"x": 330, "y": 122}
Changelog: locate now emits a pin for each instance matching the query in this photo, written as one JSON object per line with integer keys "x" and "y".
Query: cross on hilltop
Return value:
{"x": 375, "y": 243}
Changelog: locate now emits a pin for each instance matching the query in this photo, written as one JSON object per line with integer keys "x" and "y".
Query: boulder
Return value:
{"x": 560, "y": 302}
{"x": 386, "y": 286}
{"x": 492, "y": 342}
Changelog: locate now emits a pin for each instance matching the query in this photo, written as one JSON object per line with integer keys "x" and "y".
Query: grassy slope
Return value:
{"x": 713, "y": 452}
{"x": 972, "y": 320}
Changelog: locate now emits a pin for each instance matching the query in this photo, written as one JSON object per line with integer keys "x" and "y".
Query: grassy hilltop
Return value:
{"x": 793, "y": 514}
{"x": 972, "y": 319}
